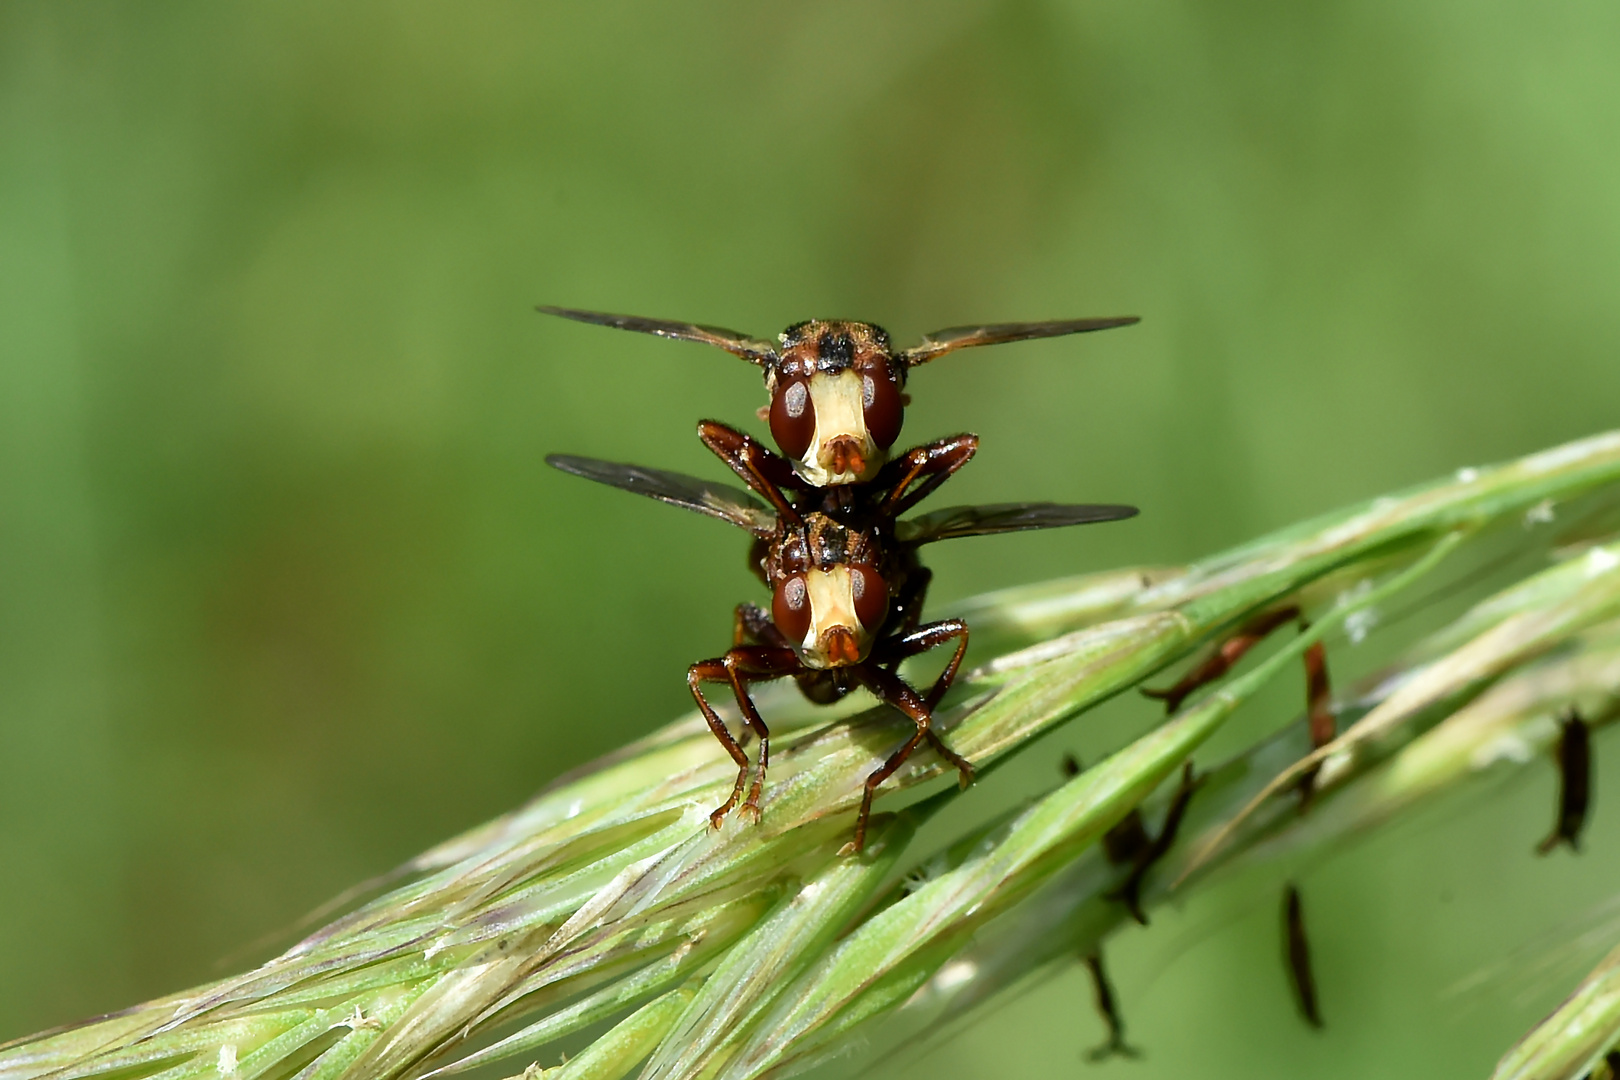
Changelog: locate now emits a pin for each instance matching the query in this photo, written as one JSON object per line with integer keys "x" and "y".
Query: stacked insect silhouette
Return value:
{"x": 847, "y": 586}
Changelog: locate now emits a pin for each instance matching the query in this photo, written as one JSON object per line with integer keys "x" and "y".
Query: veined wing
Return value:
{"x": 957, "y": 521}
{"x": 941, "y": 342}
{"x": 716, "y": 500}
{"x": 753, "y": 350}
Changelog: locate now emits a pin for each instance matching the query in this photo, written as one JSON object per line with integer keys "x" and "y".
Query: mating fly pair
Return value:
{"x": 847, "y": 587}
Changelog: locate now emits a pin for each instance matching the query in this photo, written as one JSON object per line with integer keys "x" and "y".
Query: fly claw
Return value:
{"x": 829, "y": 542}
{"x": 1574, "y": 783}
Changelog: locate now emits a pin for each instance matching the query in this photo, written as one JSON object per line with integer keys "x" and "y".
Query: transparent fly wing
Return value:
{"x": 957, "y": 521}
{"x": 751, "y": 349}
{"x": 716, "y": 500}
{"x": 941, "y": 342}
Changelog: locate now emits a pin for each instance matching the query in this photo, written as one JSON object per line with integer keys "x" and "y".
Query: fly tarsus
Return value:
{"x": 1102, "y": 992}
{"x": 737, "y": 668}
{"x": 890, "y": 689}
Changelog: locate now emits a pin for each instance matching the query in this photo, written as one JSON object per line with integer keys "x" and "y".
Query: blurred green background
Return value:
{"x": 287, "y": 594}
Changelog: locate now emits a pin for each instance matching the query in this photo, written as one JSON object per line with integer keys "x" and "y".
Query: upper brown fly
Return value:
{"x": 846, "y": 585}
{"x": 837, "y": 387}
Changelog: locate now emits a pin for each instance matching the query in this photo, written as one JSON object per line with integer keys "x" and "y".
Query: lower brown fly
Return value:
{"x": 847, "y": 587}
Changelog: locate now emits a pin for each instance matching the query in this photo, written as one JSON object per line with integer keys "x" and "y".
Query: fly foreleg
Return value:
{"x": 752, "y": 625}
{"x": 738, "y": 667}
{"x": 920, "y": 641}
{"x": 926, "y": 638}
{"x": 1224, "y": 658}
{"x": 932, "y": 463}
{"x": 766, "y": 472}
{"x": 892, "y": 690}
{"x": 1321, "y": 722}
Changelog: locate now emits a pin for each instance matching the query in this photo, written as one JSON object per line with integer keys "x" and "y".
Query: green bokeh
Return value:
{"x": 287, "y": 594}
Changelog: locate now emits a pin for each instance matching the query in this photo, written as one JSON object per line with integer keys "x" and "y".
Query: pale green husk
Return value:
{"x": 608, "y": 905}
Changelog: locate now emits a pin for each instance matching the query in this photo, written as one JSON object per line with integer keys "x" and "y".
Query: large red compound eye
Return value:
{"x": 793, "y": 418}
{"x": 790, "y": 608}
{"x": 882, "y": 405}
{"x": 871, "y": 595}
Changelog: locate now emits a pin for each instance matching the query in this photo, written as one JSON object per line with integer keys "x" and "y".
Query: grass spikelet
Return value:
{"x": 608, "y": 904}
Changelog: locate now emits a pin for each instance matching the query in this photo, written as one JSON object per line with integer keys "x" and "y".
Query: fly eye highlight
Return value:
{"x": 790, "y": 608}
{"x": 882, "y": 405}
{"x": 793, "y": 418}
{"x": 871, "y": 595}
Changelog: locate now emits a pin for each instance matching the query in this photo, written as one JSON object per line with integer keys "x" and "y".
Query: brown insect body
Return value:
{"x": 847, "y": 586}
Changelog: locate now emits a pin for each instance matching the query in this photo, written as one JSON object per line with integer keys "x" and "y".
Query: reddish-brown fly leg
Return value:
{"x": 1103, "y": 994}
{"x": 761, "y": 469}
{"x": 905, "y": 610}
{"x": 752, "y": 625}
{"x": 891, "y": 690}
{"x": 922, "y": 640}
{"x": 1318, "y": 691}
{"x": 1128, "y": 842}
{"x": 932, "y": 463}
{"x": 740, "y": 666}
{"x": 1320, "y": 720}
{"x": 1226, "y": 654}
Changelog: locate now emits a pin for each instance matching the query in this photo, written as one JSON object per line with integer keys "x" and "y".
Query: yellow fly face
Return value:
{"x": 828, "y": 598}
{"x": 836, "y": 404}
{"x": 835, "y": 637}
